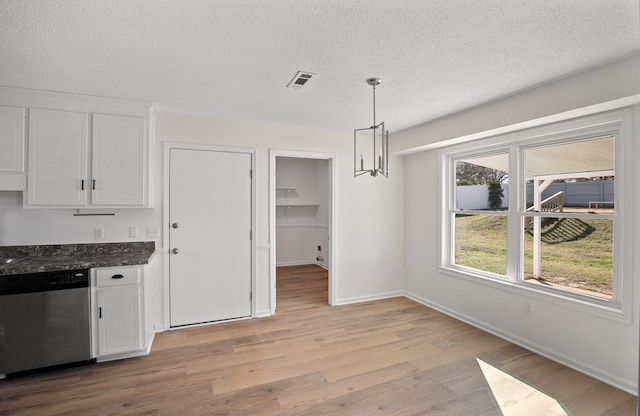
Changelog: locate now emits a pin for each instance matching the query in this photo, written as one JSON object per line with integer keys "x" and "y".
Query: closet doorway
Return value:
{"x": 302, "y": 207}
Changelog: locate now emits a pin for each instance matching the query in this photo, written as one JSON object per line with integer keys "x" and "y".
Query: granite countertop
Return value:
{"x": 47, "y": 258}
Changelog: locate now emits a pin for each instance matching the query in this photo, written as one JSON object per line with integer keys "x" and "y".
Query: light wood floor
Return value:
{"x": 388, "y": 357}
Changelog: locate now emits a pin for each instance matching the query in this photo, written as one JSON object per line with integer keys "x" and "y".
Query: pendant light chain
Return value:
{"x": 374, "y": 105}
{"x": 371, "y": 145}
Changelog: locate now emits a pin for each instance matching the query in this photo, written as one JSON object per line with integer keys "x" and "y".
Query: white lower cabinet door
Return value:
{"x": 119, "y": 320}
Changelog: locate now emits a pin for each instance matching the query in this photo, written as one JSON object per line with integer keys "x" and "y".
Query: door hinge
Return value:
{"x": 251, "y": 174}
{"x": 250, "y": 235}
{"x": 250, "y": 295}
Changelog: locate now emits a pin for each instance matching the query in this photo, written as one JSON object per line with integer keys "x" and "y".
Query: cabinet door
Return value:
{"x": 119, "y": 320}
{"x": 57, "y": 158}
{"x": 118, "y": 161}
{"x": 11, "y": 139}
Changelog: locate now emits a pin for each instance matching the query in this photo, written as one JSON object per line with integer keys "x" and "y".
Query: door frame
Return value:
{"x": 167, "y": 147}
{"x": 331, "y": 158}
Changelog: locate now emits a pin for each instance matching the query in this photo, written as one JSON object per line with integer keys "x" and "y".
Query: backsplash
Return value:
{"x": 21, "y": 226}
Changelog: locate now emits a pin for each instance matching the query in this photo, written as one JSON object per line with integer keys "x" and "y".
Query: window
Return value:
{"x": 569, "y": 215}
{"x": 480, "y": 217}
{"x": 541, "y": 210}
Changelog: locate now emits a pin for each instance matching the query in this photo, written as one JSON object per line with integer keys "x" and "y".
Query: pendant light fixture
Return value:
{"x": 371, "y": 145}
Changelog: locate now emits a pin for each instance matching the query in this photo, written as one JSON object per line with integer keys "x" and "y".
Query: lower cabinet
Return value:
{"x": 118, "y": 320}
{"x": 121, "y": 328}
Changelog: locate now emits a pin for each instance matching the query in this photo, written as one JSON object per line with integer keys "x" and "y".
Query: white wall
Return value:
{"x": 20, "y": 226}
{"x": 604, "y": 348}
{"x": 368, "y": 218}
{"x": 300, "y": 229}
{"x": 369, "y": 243}
{"x": 323, "y": 191}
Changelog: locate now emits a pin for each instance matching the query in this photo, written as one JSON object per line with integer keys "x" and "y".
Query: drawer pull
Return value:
{"x": 117, "y": 276}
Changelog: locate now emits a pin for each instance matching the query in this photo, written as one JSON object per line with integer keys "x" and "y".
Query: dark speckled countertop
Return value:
{"x": 46, "y": 258}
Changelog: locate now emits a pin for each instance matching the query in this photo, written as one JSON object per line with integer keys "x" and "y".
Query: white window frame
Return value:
{"x": 453, "y": 211}
{"x": 616, "y": 123}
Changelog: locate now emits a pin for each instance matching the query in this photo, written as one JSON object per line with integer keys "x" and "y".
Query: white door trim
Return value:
{"x": 167, "y": 146}
{"x": 331, "y": 157}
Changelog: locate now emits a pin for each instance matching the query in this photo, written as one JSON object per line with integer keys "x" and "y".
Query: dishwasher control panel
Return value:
{"x": 43, "y": 281}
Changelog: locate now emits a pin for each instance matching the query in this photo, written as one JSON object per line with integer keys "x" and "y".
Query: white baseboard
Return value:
{"x": 301, "y": 263}
{"x": 294, "y": 263}
{"x": 605, "y": 377}
{"x": 324, "y": 266}
{"x": 359, "y": 299}
{"x": 263, "y": 313}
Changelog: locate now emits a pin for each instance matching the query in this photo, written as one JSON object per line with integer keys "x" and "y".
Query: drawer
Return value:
{"x": 118, "y": 276}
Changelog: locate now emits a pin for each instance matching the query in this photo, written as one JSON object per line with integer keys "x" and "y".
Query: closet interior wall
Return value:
{"x": 302, "y": 216}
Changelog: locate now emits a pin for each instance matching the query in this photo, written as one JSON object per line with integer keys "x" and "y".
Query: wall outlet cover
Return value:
{"x": 528, "y": 307}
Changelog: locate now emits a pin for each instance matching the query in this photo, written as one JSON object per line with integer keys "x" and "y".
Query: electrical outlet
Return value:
{"x": 152, "y": 232}
{"x": 133, "y": 231}
{"x": 528, "y": 307}
{"x": 98, "y": 233}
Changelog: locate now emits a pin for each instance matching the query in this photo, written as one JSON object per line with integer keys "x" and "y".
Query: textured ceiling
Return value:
{"x": 234, "y": 58}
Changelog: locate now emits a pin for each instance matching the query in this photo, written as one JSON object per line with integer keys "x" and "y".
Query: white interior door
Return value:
{"x": 210, "y": 236}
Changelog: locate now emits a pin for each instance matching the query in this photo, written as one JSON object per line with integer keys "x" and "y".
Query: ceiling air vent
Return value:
{"x": 300, "y": 80}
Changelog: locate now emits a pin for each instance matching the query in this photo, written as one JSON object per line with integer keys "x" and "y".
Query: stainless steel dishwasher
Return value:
{"x": 44, "y": 320}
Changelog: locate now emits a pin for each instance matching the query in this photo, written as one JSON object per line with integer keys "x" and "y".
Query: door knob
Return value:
{"x": 174, "y": 225}
{"x": 175, "y": 251}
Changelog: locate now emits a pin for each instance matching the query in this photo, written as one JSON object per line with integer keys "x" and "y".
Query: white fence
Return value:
{"x": 477, "y": 196}
{"x": 576, "y": 194}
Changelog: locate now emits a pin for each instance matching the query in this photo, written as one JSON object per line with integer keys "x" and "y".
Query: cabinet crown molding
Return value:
{"x": 32, "y": 98}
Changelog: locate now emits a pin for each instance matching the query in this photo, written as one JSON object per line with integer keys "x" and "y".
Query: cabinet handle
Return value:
{"x": 117, "y": 276}
{"x": 93, "y": 186}
{"x": 82, "y": 185}
{"x": 100, "y": 313}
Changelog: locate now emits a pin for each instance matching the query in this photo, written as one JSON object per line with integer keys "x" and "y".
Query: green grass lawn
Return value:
{"x": 481, "y": 242}
{"x": 574, "y": 253}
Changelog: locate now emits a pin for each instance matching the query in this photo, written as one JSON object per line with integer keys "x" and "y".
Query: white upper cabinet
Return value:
{"x": 12, "y": 139}
{"x": 118, "y": 163}
{"x": 62, "y": 153}
{"x": 12, "y": 148}
{"x": 58, "y": 169}
{"x": 81, "y": 151}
